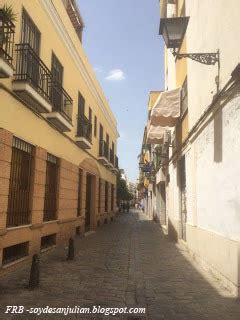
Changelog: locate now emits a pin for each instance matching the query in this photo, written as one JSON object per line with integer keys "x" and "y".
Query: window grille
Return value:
{"x": 15, "y": 252}
{"x": 50, "y": 201}
{"x": 106, "y": 196}
{"x": 79, "y": 192}
{"x": 95, "y": 126}
{"x": 30, "y": 33}
{"x": 48, "y": 241}
{"x": 99, "y": 195}
{"x": 18, "y": 212}
{"x": 112, "y": 197}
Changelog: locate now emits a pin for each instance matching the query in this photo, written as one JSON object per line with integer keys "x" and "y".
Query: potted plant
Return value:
{"x": 9, "y": 12}
{"x": 11, "y": 16}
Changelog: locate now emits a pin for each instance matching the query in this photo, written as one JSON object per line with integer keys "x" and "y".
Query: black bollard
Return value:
{"x": 71, "y": 249}
{"x": 34, "y": 274}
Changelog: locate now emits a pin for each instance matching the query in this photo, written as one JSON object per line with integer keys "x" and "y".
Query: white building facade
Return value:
{"x": 200, "y": 178}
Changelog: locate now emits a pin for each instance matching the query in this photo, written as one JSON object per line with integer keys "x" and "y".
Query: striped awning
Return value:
{"x": 166, "y": 110}
{"x": 155, "y": 135}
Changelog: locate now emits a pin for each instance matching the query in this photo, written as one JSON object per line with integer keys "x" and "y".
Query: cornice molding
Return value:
{"x": 61, "y": 29}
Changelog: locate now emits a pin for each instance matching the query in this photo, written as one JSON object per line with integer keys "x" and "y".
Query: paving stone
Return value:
{"x": 126, "y": 263}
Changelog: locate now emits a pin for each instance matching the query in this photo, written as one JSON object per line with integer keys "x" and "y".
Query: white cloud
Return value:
{"x": 115, "y": 75}
{"x": 98, "y": 69}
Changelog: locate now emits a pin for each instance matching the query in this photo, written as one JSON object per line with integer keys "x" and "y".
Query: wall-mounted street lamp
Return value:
{"x": 173, "y": 31}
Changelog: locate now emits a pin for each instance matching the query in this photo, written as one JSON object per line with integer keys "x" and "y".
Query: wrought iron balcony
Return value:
{"x": 111, "y": 156}
{"x": 110, "y": 164}
{"x": 116, "y": 162}
{"x": 103, "y": 153}
{"x": 61, "y": 101}
{"x": 61, "y": 115}
{"x": 114, "y": 166}
{"x": 84, "y": 132}
{"x": 7, "y": 31}
{"x": 32, "y": 80}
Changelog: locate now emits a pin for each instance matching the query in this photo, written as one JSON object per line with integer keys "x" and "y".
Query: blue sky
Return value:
{"x": 122, "y": 42}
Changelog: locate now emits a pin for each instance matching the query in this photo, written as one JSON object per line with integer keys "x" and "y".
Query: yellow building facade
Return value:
{"x": 58, "y": 135}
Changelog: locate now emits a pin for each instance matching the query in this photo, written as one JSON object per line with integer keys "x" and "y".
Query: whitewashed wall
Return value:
{"x": 217, "y": 182}
{"x": 213, "y": 25}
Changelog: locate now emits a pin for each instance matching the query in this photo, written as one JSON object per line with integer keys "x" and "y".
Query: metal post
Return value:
{"x": 34, "y": 273}
{"x": 71, "y": 249}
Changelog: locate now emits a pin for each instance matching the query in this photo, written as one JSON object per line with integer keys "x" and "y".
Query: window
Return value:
{"x": 79, "y": 192}
{"x": 57, "y": 78}
{"x": 107, "y": 139}
{"x": 112, "y": 197}
{"x": 81, "y": 105}
{"x": 20, "y": 184}
{"x": 30, "y": 33}
{"x": 50, "y": 201}
{"x": 113, "y": 148}
{"x": 90, "y": 115}
{"x": 100, "y": 132}
{"x": 95, "y": 126}
{"x": 57, "y": 70}
{"x": 99, "y": 195}
{"x": 15, "y": 252}
{"x": 106, "y": 196}
{"x": 184, "y": 98}
{"x": 27, "y": 57}
{"x": 48, "y": 241}
{"x": 90, "y": 126}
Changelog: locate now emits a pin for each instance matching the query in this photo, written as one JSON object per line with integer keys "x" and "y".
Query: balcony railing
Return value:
{"x": 7, "y": 31}
{"x": 61, "y": 101}
{"x": 116, "y": 162}
{"x": 84, "y": 128}
{"x": 103, "y": 149}
{"x": 30, "y": 68}
{"x": 111, "y": 156}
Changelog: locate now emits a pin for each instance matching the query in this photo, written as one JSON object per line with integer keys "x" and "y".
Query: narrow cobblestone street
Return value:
{"x": 126, "y": 263}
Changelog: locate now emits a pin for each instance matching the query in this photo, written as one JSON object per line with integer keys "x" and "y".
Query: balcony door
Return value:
{"x": 57, "y": 78}
{"x": 30, "y": 34}
{"x": 101, "y": 150}
{"x": 57, "y": 70}
{"x": 81, "y": 106}
{"x": 100, "y": 132}
{"x": 81, "y": 114}
{"x": 88, "y": 209}
{"x": 30, "y": 39}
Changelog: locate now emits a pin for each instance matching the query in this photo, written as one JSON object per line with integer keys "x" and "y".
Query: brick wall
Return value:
{"x": 39, "y": 181}
{"x": 5, "y": 168}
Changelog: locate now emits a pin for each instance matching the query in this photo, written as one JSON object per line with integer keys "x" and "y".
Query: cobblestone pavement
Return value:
{"x": 126, "y": 263}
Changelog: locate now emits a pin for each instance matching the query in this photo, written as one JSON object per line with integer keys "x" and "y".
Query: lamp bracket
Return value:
{"x": 204, "y": 58}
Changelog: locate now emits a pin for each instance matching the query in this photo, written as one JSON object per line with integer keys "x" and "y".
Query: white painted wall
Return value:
{"x": 213, "y": 25}
{"x": 217, "y": 183}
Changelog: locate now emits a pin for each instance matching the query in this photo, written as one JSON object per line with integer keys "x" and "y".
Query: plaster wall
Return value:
{"x": 218, "y": 171}
{"x": 58, "y": 36}
{"x": 213, "y": 25}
